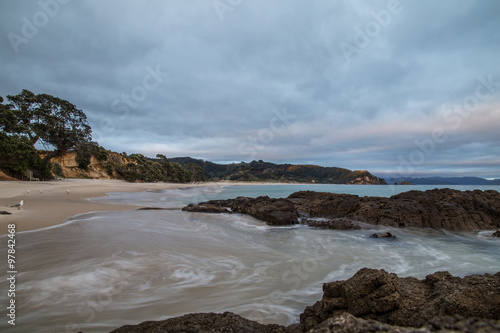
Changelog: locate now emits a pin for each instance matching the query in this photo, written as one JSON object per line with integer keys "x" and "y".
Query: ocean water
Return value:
{"x": 100, "y": 271}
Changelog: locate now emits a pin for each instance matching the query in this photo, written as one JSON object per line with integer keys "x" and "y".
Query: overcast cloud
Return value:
{"x": 399, "y": 87}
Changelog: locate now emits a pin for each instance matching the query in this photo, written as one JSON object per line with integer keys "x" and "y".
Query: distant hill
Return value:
{"x": 445, "y": 181}
{"x": 266, "y": 171}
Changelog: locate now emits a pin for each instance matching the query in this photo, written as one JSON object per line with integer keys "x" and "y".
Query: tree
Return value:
{"x": 196, "y": 171}
{"x": 45, "y": 119}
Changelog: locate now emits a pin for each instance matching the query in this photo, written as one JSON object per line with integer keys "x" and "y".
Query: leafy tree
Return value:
{"x": 45, "y": 119}
{"x": 196, "y": 171}
{"x": 85, "y": 151}
{"x": 17, "y": 154}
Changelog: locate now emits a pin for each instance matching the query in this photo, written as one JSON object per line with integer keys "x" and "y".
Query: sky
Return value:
{"x": 396, "y": 87}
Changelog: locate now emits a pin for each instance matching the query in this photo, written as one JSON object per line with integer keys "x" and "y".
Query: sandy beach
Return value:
{"x": 50, "y": 203}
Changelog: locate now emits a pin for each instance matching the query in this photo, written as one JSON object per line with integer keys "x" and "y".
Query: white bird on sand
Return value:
{"x": 41, "y": 191}
{"x": 28, "y": 192}
{"x": 67, "y": 191}
{"x": 19, "y": 205}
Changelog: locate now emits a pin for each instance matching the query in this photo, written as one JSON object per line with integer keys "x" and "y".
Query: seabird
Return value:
{"x": 19, "y": 205}
{"x": 67, "y": 191}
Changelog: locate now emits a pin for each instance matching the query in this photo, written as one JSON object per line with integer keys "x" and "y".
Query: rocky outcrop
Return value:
{"x": 347, "y": 323}
{"x": 337, "y": 224}
{"x": 203, "y": 323}
{"x": 276, "y": 212}
{"x": 382, "y": 296}
{"x": 383, "y": 235}
{"x": 438, "y": 209}
{"x": 370, "y": 301}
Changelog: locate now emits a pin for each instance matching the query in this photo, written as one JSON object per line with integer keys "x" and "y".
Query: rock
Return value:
{"x": 386, "y": 298}
{"x": 347, "y": 323}
{"x": 4, "y": 212}
{"x": 496, "y": 233}
{"x": 276, "y": 212}
{"x": 370, "y": 301}
{"x": 437, "y": 209}
{"x": 203, "y": 323}
{"x": 337, "y": 224}
{"x": 383, "y": 235}
{"x": 209, "y": 208}
{"x": 272, "y": 211}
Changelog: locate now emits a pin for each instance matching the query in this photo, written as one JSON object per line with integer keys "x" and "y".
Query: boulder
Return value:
{"x": 336, "y": 224}
{"x": 226, "y": 322}
{"x": 383, "y": 235}
{"x": 208, "y": 208}
{"x": 276, "y": 212}
{"x": 496, "y": 233}
{"x": 437, "y": 209}
{"x": 384, "y": 297}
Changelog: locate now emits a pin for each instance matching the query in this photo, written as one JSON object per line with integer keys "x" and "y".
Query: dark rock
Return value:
{"x": 347, "y": 323}
{"x": 272, "y": 211}
{"x": 337, "y": 224}
{"x": 438, "y": 209}
{"x": 208, "y": 208}
{"x": 378, "y": 295}
{"x": 383, "y": 235}
{"x": 203, "y": 323}
{"x": 3, "y": 212}
{"x": 276, "y": 212}
{"x": 496, "y": 233}
{"x": 370, "y": 301}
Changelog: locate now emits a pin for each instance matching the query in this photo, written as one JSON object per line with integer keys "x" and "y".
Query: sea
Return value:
{"x": 102, "y": 270}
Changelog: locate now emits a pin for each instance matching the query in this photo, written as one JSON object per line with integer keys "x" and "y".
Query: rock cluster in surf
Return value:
{"x": 438, "y": 209}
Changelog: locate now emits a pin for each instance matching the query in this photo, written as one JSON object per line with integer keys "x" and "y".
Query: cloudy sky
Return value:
{"x": 394, "y": 87}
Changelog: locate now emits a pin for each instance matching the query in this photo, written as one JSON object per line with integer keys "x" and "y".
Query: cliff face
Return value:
{"x": 95, "y": 170}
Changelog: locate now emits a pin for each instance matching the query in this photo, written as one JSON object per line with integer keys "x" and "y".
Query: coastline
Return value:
{"x": 51, "y": 203}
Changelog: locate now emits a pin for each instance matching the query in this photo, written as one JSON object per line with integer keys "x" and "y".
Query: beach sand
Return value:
{"x": 51, "y": 203}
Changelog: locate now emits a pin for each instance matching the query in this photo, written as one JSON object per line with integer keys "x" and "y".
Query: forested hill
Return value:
{"x": 270, "y": 172}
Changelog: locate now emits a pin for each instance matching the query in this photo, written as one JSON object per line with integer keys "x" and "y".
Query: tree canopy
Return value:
{"x": 29, "y": 119}
{"x": 45, "y": 119}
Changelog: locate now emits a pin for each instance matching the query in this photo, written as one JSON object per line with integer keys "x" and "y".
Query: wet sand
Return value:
{"x": 50, "y": 203}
